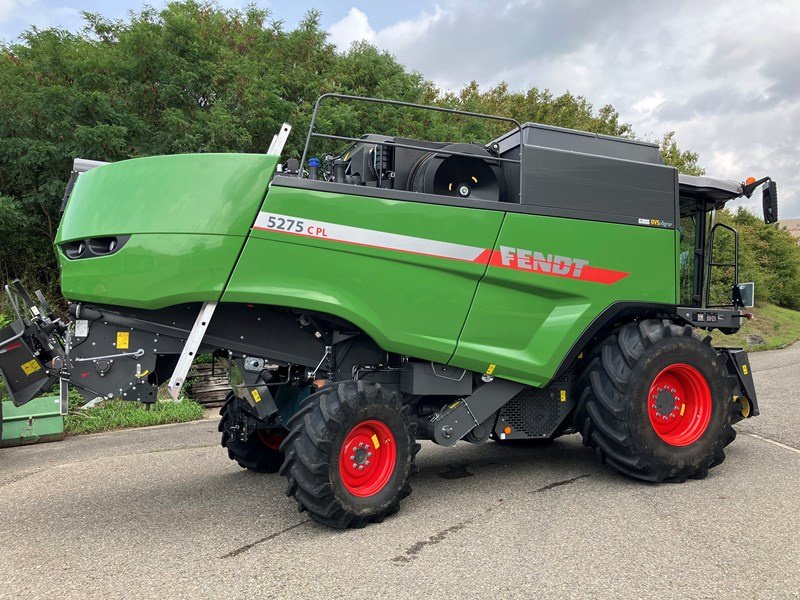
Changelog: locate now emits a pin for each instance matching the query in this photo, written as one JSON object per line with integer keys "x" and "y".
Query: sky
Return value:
{"x": 725, "y": 76}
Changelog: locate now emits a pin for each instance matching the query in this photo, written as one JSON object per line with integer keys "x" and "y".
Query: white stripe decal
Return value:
{"x": 368, "y": 237}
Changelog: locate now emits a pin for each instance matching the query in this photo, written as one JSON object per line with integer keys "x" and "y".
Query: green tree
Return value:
{"x": 768, "y": 256}
{"x": 685, "y": 161}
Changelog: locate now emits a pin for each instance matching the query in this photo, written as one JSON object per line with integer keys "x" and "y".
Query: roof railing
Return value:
{"x": 315, "y": 134}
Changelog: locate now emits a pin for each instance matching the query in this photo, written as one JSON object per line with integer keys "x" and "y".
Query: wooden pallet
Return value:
{"x": 207, "y": 389}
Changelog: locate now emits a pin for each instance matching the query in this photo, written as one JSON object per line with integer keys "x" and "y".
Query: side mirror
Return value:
{"x": 744, "y": 295}
{"x": 769, "y": 200}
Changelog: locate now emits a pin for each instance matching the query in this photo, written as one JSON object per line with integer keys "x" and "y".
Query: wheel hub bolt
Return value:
{"x": 360, "y": 467}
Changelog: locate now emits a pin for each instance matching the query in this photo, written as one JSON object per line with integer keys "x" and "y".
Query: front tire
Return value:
{"x": 349, "y": 454}
{"x": 656, "y": 402}
{"x": 261, "y": 452}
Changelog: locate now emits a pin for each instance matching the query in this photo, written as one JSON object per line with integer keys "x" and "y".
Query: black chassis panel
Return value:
{"x": 115, "y": 360}
{"x": 21, "y": 367}
{"x": 312, "y": 342}
{"x": 726, "y": 320}
{"x": 738, "y": 364}
{"x": 538, "y": 413}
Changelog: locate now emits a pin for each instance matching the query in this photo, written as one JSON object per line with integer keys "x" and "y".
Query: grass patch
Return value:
{"x": 120, "y": 414}
{"x": 777, "y": 326}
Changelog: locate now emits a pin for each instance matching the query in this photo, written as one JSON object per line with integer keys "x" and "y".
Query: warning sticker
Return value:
{"x": 30, "y": 367}
{"x": 82, "y": 328}
{"x": 256, "y": 395}
{"x": 123, "y": 340}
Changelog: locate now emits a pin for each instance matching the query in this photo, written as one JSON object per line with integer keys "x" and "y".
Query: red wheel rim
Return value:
{"x": 367, "y": 458}
{"x": 679, "y": 404}
{"x": 271, "y": 439}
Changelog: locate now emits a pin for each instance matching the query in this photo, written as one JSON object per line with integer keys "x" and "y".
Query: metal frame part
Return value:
{"x": 63, "y": 395}
{"x": 81, "y": 165}
{"x": 279, "y": 140}
{"x": 313, "y": 134}
{"x": 190, "y": 348}
{"x": 463, "y": 416}
{"x": 711, "y": 264}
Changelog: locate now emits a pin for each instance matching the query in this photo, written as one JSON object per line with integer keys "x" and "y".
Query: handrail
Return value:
{"x": 328, "y": 136}
{"x": 312, "y": 133}
{"x": 712, "y": 264}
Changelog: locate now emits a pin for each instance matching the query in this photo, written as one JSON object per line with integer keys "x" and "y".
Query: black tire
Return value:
{"x": 255, "y": 454}
{"x": 317, "y": 433}
{"x": 613, "y": 410}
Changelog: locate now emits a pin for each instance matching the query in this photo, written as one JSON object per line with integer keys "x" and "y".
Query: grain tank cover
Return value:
{"x": 573, "y": 140}
{"x": 577, "y": 174}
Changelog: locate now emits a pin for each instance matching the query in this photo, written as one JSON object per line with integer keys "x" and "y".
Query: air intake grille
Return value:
{"x": 533, "y": 412}
{"x": 538, "y": 413}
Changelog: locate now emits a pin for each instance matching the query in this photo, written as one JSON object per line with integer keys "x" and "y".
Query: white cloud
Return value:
{"x": 724, "y": 76}
{"x": 8, "y": 8}
{"x": 353, "y": 27}
{"x": 644, "y": 108}
{"x": 19, "y": 15}
{"x": 405, "y": 34}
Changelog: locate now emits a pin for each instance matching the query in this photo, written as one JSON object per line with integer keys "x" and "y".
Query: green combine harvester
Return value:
{"x": 543, "y": 283}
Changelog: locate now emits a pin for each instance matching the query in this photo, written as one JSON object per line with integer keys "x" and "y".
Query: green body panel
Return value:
{"x": 526, "y": 322}
{"x": 408, "y": 303}
{"x": 190, "y": 219}
{"x": 154, "y": 270}
{"x": 38, "y": 420}
{"x": 187, "y": 215}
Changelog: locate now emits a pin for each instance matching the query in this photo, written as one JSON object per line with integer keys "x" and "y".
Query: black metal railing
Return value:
{"x": 314, "y": 134}
{"x": 712, "y": 264}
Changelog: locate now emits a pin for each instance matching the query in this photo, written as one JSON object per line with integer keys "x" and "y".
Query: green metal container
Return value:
{"x": 39, "y": 420}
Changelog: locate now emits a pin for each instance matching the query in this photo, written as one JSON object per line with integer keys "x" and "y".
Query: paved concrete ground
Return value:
{"x": 162, "y": 513}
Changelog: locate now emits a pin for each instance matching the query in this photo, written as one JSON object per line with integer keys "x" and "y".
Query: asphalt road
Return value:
{"x": 161, "y": 512}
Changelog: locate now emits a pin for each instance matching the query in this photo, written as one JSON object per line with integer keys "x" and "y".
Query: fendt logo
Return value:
{"x": 554, "y": 265}
{"x": 531, "y": 260}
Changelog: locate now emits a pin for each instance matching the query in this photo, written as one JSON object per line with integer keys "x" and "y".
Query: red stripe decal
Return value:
{"x": 518, "y": 259}
{"x": 483, "y": 258}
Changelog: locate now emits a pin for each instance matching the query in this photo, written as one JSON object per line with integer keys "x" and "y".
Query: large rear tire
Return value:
{"x": 261, "y": 452}
{"x": 349, "y": 454}
{"x": 656, "y": 402}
